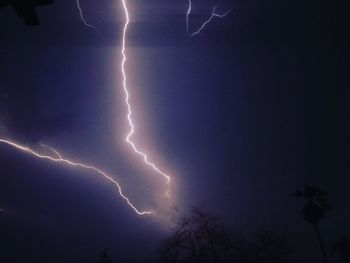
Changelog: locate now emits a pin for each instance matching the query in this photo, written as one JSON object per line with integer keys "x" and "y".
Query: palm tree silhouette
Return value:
{"x": 315, "y": 210}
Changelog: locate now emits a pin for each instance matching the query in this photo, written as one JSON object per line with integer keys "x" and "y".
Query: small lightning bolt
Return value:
{"x": 82, "y": 16}
{"x": 61, "y": 160}
{"x": 51, "y": 149}
{"x": 127, "y": 102}
{"x": 188, "y": 16}
{"x": 205, "y": 23}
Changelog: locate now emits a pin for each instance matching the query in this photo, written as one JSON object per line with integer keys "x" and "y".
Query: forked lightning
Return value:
{"x": 57, "y": 158}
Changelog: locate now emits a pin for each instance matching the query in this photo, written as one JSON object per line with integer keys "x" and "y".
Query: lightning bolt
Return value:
{"x": 129, "y": 136}
{"x": 82, "y": 16}
{"x": 205, "y": 23}
{"x": 61, "y": 160}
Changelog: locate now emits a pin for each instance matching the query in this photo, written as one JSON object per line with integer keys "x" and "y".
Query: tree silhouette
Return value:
{"x": 202, "y": 237}
{"x": 315, "y": 210}
{"x": 341, "y": 247}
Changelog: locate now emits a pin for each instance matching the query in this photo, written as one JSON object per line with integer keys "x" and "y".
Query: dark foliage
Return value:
{"x": 202, "y": 237}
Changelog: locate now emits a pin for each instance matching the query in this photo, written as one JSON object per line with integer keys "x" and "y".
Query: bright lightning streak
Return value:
{"x": 61, "y": 160}
{"x": 127, "y": 99}
{"x": 212, "y": 16}
{"x": 82, "y": 16}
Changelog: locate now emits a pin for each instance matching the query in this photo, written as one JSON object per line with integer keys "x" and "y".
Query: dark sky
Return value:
{"x": 240, "y": 116}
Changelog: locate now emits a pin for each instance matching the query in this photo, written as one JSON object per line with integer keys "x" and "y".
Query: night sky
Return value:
{"x": 240, "y": 116}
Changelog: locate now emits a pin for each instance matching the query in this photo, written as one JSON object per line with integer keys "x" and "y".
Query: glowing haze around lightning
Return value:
{"x": 205, "y": 23}
{"x": 127, "y": 102}
{"x": 58, "y": 158}
{"x": 61, "y": 160}
{"x": 82, "y": 16}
